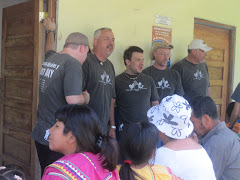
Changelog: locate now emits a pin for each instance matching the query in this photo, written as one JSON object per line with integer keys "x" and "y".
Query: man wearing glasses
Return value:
{"x": 168, "y": 81}
{"x": 194, "y": 71}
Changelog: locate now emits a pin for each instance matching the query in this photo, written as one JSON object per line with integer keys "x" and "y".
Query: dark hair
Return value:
{"x": 10, "y": 171}
{"x": 129, "y": 51}
{"x": 202, "y": 105}
{"x": 85, "y": 125}
{"x": 138, "y": 144}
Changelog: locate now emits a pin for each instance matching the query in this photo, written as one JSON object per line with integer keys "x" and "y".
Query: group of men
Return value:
{"x": 77, "y": 76}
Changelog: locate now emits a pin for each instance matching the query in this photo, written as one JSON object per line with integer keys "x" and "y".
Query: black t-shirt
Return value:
{"x": 60, "y": 76}
{"x": 134, "y": 97}
{"x": 168, "y": 81}
{"x": 195, "y": 78}
{"x": 99, "y": 81}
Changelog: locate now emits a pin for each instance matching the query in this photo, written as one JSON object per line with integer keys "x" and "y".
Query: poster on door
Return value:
{"x": 160, "y": 34}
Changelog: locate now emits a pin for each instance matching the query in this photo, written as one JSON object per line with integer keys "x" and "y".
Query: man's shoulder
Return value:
{"x": 179, "y": 65}
{"x": 147, "y": 70}
{"x": 172, "y": 71}
{"x": 119, "y": 76}
{"x": 220, "y": 136}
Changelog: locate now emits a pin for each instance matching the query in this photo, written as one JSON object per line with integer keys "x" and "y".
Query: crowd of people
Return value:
{"x": 75, "y": 134}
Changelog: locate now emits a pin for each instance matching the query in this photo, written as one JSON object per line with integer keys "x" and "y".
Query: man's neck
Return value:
{"x": 159, "y": 67}
{"x": 127, "y": 71}
{"x": 99, "y": 56}
{"x": 191, "y": 59}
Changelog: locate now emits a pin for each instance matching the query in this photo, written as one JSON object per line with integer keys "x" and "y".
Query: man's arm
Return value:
{"x": 112, "y": 130}
{"x": 209, "y": 92}
{"x": 78, "y": 99}
{"x": 50, "y": 27}
{"x": 235, "y": 114}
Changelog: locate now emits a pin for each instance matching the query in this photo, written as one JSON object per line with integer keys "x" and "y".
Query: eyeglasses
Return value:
{"x": 164, "y": 54}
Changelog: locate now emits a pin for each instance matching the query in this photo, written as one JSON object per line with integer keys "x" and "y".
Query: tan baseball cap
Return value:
{"x": 158, "y": 45}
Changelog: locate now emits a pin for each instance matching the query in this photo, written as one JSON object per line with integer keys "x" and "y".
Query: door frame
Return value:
{"x": 232, "y": 41}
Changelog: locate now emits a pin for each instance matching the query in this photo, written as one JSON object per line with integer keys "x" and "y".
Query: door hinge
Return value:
{"x": 42, "y": 15}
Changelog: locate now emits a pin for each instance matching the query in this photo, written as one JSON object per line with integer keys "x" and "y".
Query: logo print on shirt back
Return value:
{"x": 105, "y": 78}
{"x": 135, "y": 86}
{"x": 163, "y": 84}
{"x": 198, "y": 75}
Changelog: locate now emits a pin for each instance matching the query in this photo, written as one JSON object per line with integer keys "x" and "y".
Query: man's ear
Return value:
{"x": 194, "y": 51}
{"x": 94, "y": 42}
{"x": 206, "y": 120}
{"x": 127, "y": 61}
{"x": 81, "y": 48}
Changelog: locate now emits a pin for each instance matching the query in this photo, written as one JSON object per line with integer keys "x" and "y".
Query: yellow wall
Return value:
{"x": 132, "y": 21}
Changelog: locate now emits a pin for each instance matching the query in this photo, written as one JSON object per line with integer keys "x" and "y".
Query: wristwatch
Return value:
{"x": 48, "y": 31}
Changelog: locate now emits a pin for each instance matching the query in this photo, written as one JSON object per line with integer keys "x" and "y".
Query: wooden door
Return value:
{"x": 218, "y": 62}
{"x": 21, "y": 57}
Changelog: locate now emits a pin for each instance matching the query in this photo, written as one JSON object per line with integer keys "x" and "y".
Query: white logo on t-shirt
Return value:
{"x": 198, "y": 75}
{"x": 105, "y": 79}
{"x": 135, "y": 86}
{"x": 163, "y": 84}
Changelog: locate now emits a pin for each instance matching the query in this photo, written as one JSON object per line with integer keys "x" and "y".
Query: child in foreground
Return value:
{"x": 88, "y": 153}
{"x": 138, "y": 145}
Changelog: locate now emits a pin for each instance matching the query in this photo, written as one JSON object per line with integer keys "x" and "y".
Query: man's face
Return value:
{"x": 199, "y": 128}
{"x": 161, "y": 56}
{"x": 136, "y": 64}
{"x": 105, "y": 43}
{"x": 85, "y": 52}
{"x": 199, "y": 55}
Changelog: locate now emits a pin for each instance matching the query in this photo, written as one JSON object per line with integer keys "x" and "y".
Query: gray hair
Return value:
{"x": 97, "y": 33}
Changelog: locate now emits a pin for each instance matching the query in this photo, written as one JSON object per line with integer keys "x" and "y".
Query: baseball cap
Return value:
{"x": 158, "y": 45}
{"x": 77, "y": 38}
{"x": 199, "y": 44}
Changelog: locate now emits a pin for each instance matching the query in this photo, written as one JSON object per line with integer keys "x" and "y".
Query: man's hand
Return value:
{"x": 112, "y": 133}
{"x": 49, "y": 24}
{"x": 86, "y": 96}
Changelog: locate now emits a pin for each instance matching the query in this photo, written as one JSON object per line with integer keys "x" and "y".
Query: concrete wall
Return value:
{"x": 132, "y": 23}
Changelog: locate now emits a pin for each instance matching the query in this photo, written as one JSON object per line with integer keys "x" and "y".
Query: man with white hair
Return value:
{"x": 193, "y": 70}
{"x": 99, "y": 79}
{"x": 183, "y": 155}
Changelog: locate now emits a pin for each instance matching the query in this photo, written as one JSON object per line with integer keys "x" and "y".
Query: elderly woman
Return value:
{"x": 186, "y": 158}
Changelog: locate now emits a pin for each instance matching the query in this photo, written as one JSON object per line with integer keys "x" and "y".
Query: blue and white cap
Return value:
{"x": 172, "y": 117}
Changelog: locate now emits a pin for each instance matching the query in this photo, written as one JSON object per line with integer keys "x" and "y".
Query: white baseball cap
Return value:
{"x": 199, "y": 44}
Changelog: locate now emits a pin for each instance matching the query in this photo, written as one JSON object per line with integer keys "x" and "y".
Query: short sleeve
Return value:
{"x": 72, "y": 78}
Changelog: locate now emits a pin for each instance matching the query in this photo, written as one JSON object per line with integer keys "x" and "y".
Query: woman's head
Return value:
{"x": 77, "y": 127}
{"x": 139, "y": 142}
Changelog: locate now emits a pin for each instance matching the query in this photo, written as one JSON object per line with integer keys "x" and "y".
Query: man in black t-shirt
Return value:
{"x": 168, "y": 81}
{"x": 193, "y": 70}
{"x": 99, "y": 79}
{"x": 135, "y": 91}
